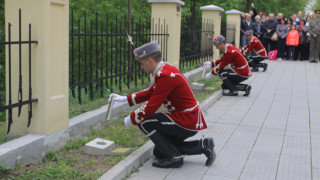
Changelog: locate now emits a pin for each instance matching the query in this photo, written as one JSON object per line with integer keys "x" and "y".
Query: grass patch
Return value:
{"x": 2, "y": 114}
{"x": 72, "y": 163}
{"x": 51, "y": 156}
{"x": 3, "y": 132}
{"x": 3, "y": 170}
{"x": 212, "y": 85}
{"x": 75, "y": 144}
{"x": 189, "y": 68}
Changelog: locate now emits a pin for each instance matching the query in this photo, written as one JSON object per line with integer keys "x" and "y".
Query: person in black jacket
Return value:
{"x": 253, "y": 13}
{"x": 279, "y": 17}
{"x": 257, "y": 28}
{"x": 269, "y": 28}
{"x": 246, "y": 24}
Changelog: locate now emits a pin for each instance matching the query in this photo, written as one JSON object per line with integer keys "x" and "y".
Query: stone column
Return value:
{"x": 50, "y": 59}
{"x": 212, "y": 12}
{"x": 168, "y": 11}
{"x": 234, "y": 22}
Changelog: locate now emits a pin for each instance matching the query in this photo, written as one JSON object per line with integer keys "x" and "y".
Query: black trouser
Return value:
{"x": 291, "y": 52}
{"x": 260, "y": 38}
{"x": 254, "y": 60}
{"x": 286, "y": 54}
{"x": 172, "y": 133}
{"x": 269, "y": 45}
{"x": 301, "y": 52}
{"x": 307, "y": 46}
{"x": 281, "y": 44}
{"x": 297, "y": 52}
{"x": 314, "y": 48}
{"x": 231, "y": 79}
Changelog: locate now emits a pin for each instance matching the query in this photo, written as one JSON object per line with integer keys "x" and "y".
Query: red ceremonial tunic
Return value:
{"x": 237, "y": 62}
{"x": 256, "y": 46}
{"x": 171, "y": 88}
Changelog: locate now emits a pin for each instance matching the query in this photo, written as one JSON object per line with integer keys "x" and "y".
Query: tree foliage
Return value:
{"x": 315, "y": 4}
{"x": 113, "y": 7}
{"x": 287, "y": 7}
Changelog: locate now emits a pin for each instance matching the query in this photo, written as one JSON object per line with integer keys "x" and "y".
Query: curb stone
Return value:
{"x": 141, "y": 155}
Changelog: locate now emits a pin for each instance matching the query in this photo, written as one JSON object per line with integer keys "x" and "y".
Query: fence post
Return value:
{"x": 233, "y": 17}
{"x": 50, "y": 61}
{"x": 212, "y": 12}
{"x": 170, "y": 12}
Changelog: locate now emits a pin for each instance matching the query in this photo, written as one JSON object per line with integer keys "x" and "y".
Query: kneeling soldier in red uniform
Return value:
{"x": 184, "y": 119}
{"x": 258, "y": 52}
{"x": 231, "y": 77}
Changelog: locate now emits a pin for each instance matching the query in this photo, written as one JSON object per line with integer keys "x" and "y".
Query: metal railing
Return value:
{"x": 20, "y": 102}
{"x": 100, "y": 56}
{"x": 195, "y": 46}
{"x": 229, "y": 31}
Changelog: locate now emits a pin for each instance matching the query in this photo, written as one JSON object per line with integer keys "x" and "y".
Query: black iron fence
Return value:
{"x": 196, "y": 46}
{"x": 21, "y": 102}
{"x": 228, "y": 30}
{"x": 100, "y": 55}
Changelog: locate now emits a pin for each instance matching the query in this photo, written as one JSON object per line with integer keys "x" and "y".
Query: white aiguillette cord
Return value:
{"x": 203, "y": 71}
{"x": 109, "y": 111}
{"x": 204, "y": 66}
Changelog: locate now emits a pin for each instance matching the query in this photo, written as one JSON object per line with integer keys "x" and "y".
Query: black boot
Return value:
{"x": 254, "y": 66}
{"x": 241, "y": 87}
{"x": 265, "y": 67}
{"x": 157, "y": 153}
{"x": 173, "y": 158}
{"x": 247, "y": 90}
{"x": 233, "y": 89}
{"x": 173, "y": 162}
{"x": 205, "y": 146}
{"x": 244, "y": 87}
{"x": 208, "y": 150}
{"x": 256, "y": 69}
{"x": 224, "y": 88}
{"x": 231, "y": 93}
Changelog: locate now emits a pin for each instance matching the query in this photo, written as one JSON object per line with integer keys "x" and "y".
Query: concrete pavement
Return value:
{"x": 272, "y": 134}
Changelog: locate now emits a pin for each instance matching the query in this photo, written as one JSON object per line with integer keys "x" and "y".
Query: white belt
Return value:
{"x": 242, "y": 67}
{"x": 192, "y": 108}
{"x": 260, "y": 51}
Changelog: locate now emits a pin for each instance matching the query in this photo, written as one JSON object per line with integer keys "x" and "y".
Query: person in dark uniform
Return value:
{"x": 254, "y": 52}
{"x": 314, "y": 30}
{"x": 231, "y": 77}
{"x": 184, "y": 119}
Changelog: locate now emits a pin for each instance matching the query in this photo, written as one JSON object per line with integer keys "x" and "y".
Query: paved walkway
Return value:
{"x": 272, "y": 134}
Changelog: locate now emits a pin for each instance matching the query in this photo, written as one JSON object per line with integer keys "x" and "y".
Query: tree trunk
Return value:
{"x": 194, "y": 26}
{"x": 248, "y": 4}
{"x": 129, "y": 30}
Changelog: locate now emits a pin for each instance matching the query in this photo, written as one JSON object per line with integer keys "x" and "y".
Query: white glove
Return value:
{"x": 208, "y": 75}
{"x": 117, "y": 97}
{"x": 208, "y": 64}
{"x": 127, "y": 121}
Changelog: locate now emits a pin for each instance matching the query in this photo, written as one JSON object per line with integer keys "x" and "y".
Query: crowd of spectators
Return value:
{"x": 296, "y": 37}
